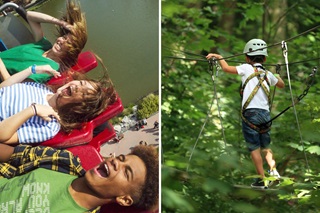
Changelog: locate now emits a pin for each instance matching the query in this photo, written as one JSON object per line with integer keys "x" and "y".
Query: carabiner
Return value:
{"x": 284, "y": 49}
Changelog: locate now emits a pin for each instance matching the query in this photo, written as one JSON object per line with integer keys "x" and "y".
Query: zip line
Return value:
{"x": 266, "y": 65}
{"x": 239, "y": 54}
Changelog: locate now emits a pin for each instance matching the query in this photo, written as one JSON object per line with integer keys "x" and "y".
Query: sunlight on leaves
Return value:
{"x": 314, "y": 149}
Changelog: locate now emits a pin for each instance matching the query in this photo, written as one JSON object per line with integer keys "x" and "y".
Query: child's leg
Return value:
{"x": 271, "y": 162}
{"x": 258, "y": 162}
{"x": 269, "y": 158}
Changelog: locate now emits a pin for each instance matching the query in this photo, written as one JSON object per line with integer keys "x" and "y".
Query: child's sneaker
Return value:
{"x": 274, "y": 173}
{"x": 260, "y": 184}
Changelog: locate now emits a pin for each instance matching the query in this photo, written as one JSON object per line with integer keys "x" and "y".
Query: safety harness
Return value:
{"x": 262, "y": 76}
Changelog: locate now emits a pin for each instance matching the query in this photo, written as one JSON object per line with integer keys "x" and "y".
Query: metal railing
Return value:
{"x": 8, "y": 5}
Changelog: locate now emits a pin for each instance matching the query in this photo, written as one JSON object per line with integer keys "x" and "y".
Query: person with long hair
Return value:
{"x": 32, "y": 112}
{"x": 63, "y": 54}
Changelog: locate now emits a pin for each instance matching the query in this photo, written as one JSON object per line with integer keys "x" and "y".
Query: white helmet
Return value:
{"x": 255, "y": 44}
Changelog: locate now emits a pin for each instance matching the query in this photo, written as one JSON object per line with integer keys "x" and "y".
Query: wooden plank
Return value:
{"x": 249, "y": 187}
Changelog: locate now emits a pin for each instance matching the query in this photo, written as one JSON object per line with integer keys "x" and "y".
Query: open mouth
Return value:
{"x": 103, "y": 170}
{"x": 57, "y": 46}
{"x": 67, "y": 91}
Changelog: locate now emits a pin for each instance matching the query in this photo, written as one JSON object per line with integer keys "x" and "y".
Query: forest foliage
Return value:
{"x": 203, "y": 150}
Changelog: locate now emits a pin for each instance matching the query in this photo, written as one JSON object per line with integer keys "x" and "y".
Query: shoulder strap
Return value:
{"x": 256, "y": 73}
{"x": 255, "y": 90}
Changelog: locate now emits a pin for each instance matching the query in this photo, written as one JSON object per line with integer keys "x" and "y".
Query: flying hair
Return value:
{"x": 79, "y": 36}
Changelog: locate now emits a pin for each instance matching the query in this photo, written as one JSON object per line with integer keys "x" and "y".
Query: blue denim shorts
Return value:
{"x": 254, "y": 139}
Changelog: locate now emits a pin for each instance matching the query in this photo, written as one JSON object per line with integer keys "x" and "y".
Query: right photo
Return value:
{"x": 239, "y": 106}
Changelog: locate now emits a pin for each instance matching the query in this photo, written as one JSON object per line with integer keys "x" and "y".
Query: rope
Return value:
{"x": 241, "y": 62}
{"x": 217, "y": 100}
{"x": 211, "y": 63}
{"x": 272, "y": 45}
{"x": 202, "y": 128}
{"x": 285, "y": 55}
{"x": 187, "y": 59}
{"x": 275, "y": 44}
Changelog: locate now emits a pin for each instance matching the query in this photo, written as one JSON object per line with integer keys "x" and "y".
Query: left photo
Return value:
{"x": 79, "y": 106}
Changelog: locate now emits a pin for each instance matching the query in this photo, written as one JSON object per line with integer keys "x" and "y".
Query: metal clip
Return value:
{"x": 285, "y": 55}
{"x": 213, "y": 63}
{"x": 284, "y": 48}
{"x": 217, "y": 65}
{"x": 314, "y": 71}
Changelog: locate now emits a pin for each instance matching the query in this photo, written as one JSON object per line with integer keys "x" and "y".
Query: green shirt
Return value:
{"x": 41, "y": 190}
{"x": 21, "y": 57}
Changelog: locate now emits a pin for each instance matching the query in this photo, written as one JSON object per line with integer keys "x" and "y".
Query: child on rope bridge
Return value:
{"x": 255, "y": 112}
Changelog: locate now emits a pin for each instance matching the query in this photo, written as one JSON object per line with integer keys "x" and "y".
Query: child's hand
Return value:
{"x": 46, "y": 112}
{"x": 47, "y": 69}
{"x": 66, "y": 25}
{"x": 213, "y": 55}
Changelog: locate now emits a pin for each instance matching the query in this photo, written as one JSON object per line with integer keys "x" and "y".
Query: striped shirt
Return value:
{"x": 17, "y": 97}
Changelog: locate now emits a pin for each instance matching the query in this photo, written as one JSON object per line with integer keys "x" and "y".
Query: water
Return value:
{"x": 125, "y": 34}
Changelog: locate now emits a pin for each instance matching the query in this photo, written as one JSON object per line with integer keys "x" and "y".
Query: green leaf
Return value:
{"x": 314, "y": 149}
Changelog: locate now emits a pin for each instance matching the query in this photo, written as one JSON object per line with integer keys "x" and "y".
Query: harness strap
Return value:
{"x": 255, "y": 90}
{"x": 262, "y": 128}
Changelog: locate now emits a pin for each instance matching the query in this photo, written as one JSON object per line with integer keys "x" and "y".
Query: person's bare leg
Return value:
{"x": 258, "y": 162}
{"x": 269, "y": 158}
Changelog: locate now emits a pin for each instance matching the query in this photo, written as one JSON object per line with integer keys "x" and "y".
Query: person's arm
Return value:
{"x": 280, "y": 83}
{"x": 20, "y": 76}
{"x": 35, "y": 19}
{"x": 6, "y": 152}
{"x": 4, "y": 74}
{"x": 10, "y": 125}
{"x": 224, "y": 65}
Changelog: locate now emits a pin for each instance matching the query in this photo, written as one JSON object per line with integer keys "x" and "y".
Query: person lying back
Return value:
{"x": 62, "y": 55}
{"x": 32, "y": 112}
{"x": 44, "y": 179}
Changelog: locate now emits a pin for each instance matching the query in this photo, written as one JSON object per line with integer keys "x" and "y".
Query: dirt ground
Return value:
{"x": 133, "y": 138}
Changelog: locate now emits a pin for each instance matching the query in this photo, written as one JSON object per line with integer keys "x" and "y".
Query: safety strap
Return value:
{"x": 285, "y": 55}
{"x": 255, "y": 90}
{"x": 262, "y": 76}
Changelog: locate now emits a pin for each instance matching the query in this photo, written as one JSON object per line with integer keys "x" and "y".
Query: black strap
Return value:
{"x": 22, "y": 12}
{"x": 310, "y": 82}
